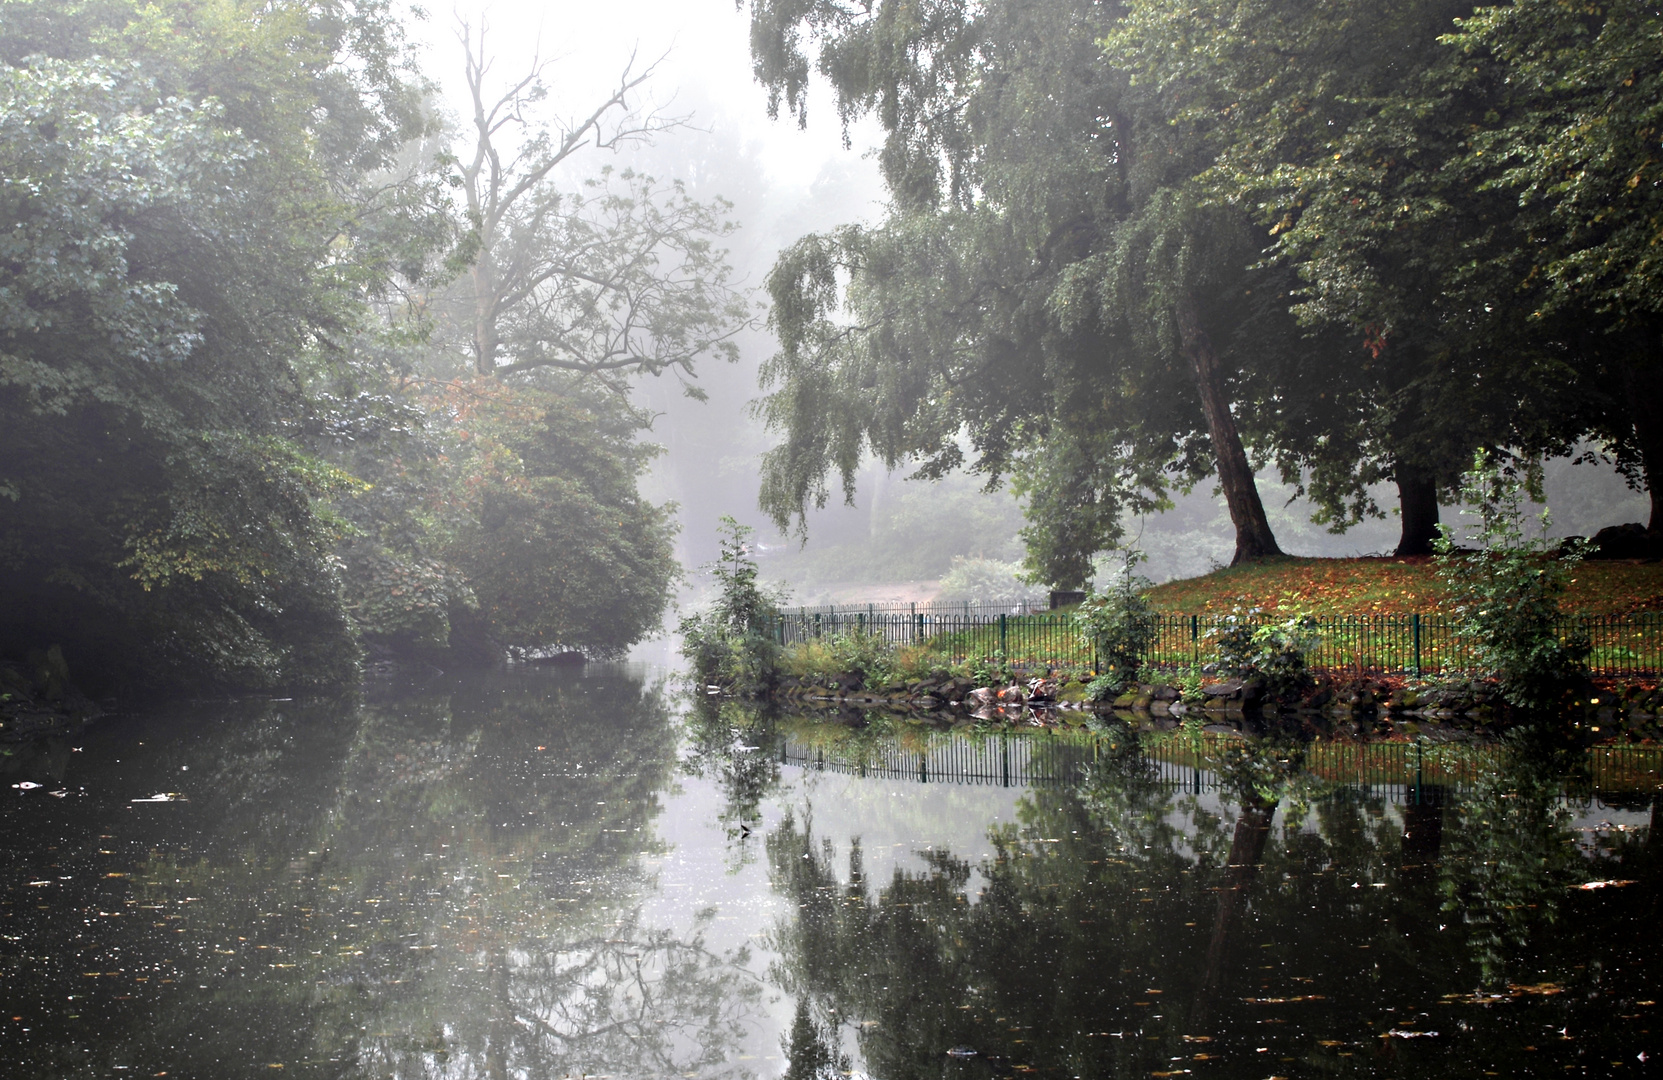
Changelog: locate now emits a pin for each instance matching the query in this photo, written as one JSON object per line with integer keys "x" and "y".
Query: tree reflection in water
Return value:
{"x": 1127, "y": 927}
{"x": 440, "y": 884}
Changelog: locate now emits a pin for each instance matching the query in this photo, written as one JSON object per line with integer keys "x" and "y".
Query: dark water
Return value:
{"x": 547, "y": 875}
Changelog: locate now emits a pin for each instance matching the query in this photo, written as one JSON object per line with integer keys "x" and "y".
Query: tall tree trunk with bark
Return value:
{"x": 1254, "y": 540}
{"x": 1417, "y": 493}
{"x": 485, "y": 336}
{"x": 1643, "y": 388}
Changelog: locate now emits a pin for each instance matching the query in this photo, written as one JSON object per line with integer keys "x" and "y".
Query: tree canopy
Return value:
{"x": 1355, "y": 240}
{"x": 189, "y": 211}
{"x": 239, "y": 436}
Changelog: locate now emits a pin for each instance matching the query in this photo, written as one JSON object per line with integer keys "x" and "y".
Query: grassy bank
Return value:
{"x": 1378, "y": 586}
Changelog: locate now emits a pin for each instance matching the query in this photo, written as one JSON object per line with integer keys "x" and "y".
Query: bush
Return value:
{"x": 1507, "y": 592}
{"x": 1119, "y": 626}
{"x": 871, "y": 658}
{"x": 1274, "y": 652}
{"x": 732, "y": 645}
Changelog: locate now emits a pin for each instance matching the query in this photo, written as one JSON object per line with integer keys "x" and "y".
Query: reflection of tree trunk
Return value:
{"x": 1423, "y": 834}
{"x": 1418, "y": 502}
{"x": 1247, "y": 848}
{"x": 1254, "y": 539}
{"x": 499, "y": 1035}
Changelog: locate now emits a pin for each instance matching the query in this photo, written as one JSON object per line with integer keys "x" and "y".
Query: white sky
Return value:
{"x": 707, "y": 43}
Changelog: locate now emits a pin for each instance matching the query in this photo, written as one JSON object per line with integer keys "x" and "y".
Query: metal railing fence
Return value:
{"x": 1377, "y": 644}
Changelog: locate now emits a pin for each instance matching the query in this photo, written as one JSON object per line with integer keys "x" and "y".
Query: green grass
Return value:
{"x": 1379, "y": 586}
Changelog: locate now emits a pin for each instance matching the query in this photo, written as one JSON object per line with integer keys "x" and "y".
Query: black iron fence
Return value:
{"x": 1379, "y": 644}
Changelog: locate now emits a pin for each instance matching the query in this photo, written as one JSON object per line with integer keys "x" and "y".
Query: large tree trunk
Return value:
{"x": 485, "y": 340}
{"x": 1643, "y": 384}
{"x": 1254, "y": 540}
{"x": 1417, "y": 495}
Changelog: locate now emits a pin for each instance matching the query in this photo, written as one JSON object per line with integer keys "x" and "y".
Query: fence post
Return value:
{"x": 1414, "y": 622}
{"x": 1195, "y": 639}
{"x": 1001, "y": 632}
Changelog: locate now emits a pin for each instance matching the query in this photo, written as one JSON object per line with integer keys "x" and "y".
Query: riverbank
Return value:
{"x": 37, "y": 699}
{"x": 1615, "y": 712}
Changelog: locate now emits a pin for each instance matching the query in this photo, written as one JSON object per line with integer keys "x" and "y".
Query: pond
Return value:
{"x": 547, "y": 874}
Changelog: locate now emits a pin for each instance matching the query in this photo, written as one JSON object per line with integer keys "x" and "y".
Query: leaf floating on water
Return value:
{"x": 1514, "y": 990}
{"x": 163, "y": 796}
{"x": 27, "y": 785}
{"x": 962, "y": 1052}
{"x": 1398, "y": 1033}
{"x": 1285, "y": 1000}
{"x": 1590, "y": 886}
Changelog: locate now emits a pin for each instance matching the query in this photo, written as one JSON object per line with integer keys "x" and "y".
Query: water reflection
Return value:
{"x": 447, "y": 883}
{"x": 542, "y": 875}
{"x": 1279, "y": 924}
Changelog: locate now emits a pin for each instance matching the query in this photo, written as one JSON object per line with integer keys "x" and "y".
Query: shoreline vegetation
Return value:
{"x": 1524, "y": 657}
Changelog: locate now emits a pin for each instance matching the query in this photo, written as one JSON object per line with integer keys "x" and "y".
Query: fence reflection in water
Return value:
{"x": 1394, "y": 770}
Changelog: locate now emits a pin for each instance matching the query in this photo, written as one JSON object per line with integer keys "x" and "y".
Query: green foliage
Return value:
{"x": 731, "y": 645}
{"x": 938, "y": 326}
{"x": 1507, "y": 590}
{"x": 1272, "y": 650}
{"x": 1105, "y": 687}
{"x": 1186, "y": 680}
{"x": 548, "y": 525}
{"x": 230, "y": 443}
{"x": 1118, "y": 625}
{"x": 188, "y": 213}
{"x": 992, "y": 670}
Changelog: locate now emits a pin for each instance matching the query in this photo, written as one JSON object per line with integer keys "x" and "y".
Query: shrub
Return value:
{"x": 1119, "y": 626}
{"x": 1273, "y": 651}
{"x": 993, "y": 670}
{"x": 1507, "y": 591}
{"x": 731, "y": 645}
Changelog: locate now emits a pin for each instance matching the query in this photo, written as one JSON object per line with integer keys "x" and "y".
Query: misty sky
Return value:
{"x": 706, "y": 68}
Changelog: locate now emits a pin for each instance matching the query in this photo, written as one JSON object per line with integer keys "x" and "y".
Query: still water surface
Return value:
{"x": 545, "y": 874}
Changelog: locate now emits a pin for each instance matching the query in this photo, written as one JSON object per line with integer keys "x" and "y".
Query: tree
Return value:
{"x": 195, "y": 200}
{"x": 618, "y": 276}
{"x": 549, "y": 528}
{"x": 1573, "y": 144}
{"x": 1044, "y": 283}
{"x": 1347, "y": 130}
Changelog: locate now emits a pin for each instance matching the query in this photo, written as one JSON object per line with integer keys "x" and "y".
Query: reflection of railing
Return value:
{"x": 1430, "y": 644}
{"x": 1395, "y": 771}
